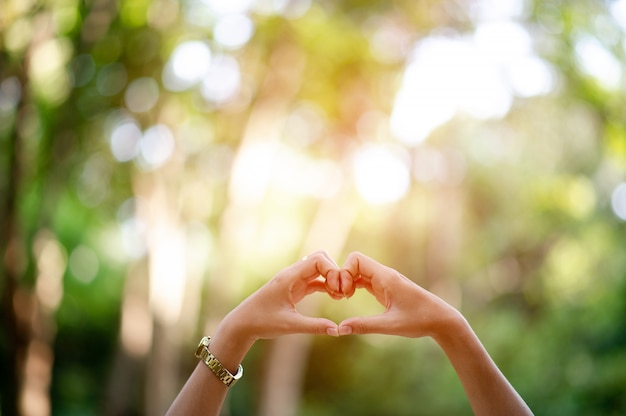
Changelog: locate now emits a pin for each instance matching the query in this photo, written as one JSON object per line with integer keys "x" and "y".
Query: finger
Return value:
{"x": 316, "y": 264}
{"x": 316, "y": 285}
{"x": 322, "y": 253}
{"x": 325, "y": 254}
{"x": 333, "y": 282}
{"x": 364, "y": 268}
{"x": 347, "y": 286}
{"x": 301, "y": 324}
{"x": 295, "y": 278}
{"x": 377, "y": 324}
{"x": 376, "y": 287}
{"x": 319, "y": 285}
{"x": 336, "y": 296}
{"x": 358, "y": 264}
{"x": 362, "y": 283}
{"x": 381, "y": 295}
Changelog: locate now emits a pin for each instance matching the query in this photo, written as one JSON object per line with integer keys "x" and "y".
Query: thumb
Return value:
{"x": 376, "y": 324}
{"x": 302, "y": 324}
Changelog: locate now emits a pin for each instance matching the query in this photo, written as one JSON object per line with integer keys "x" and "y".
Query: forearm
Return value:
{"x": 266, "y": 314}
{"x": 204, "y": 392}
{"x": 488, "y": 391}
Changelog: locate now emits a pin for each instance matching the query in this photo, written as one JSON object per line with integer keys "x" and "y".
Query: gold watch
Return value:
{"x": 214, "y": 364}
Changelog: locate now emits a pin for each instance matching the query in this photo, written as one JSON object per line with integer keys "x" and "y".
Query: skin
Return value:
{"x": 410, "y": 311}
{"x": 268, "y": 313}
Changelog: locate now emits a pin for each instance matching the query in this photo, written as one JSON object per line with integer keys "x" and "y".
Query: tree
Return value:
{"x": 161, "y": 159}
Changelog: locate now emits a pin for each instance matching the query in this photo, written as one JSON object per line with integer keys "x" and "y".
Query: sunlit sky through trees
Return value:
{"x": 161, "y": 159}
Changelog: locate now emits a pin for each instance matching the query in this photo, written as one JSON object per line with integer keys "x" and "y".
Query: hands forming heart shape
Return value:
{"x": 410, "y": 310}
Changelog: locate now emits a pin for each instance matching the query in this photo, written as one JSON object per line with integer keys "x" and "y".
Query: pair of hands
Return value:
{"x": 410, "y": 310}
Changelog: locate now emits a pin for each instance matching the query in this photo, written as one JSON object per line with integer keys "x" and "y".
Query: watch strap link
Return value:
{"x": 215, "y": 365}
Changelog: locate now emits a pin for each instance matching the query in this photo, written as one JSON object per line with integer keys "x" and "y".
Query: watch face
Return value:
{"x": 204, "y": 342}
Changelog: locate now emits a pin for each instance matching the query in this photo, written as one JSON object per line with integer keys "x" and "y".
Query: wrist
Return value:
{"x": 230, "y": 344}
{"x": 451, "y": 328}
{"x": 214, "y": 364}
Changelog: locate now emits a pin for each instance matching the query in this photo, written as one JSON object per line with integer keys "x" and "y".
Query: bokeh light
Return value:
{"x": 290, "y": 9}
{"x": 618, "y": 11}
{"x": 223, "y": 79}
{"x": 221, "y": 7}
{"x": 111, "y": 79}
{"x": 125, "y": 139}
{"x": 389, "y": 42}
{"x": 440, "y": 167}
{"x": 476, "y": 76}
{"x": 251, "y": 172}
{"x": 167, "y": 272}
{"x": 135, "y": 328}
{"x": 47, "y": 70}
{"x": 445, "y": 76}
{"x": 531, "y": 76}
{"x": 92, "y": 188}
{"x": 132, "y": 229}
{"x": 19, "y": 35}
{"x": 618, "y": 201}
{"x": 10, "y": 93}
{"x": 83, "y": 70}
{"x": 297, "y": 174}
{"x": 233, "y": 31}
{"x": 142, "y": 95}
{"x": 304, "y": 125}
{"x": 497, "y": 10}
{"x": 595, "y": 60}
{"x": 381, "y": 174}
{"x": 156, "y": 146}
{"x": 162, "y": 159}
{"x": 84, "y": 264}
{"x": 195, "y": 134}
{"x": 188, "y": 64}
{"x": 51, "y": 264}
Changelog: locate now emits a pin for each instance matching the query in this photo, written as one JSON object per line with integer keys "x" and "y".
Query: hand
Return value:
{"x": 270, "y": 311}
{"x": 411, "y": 311}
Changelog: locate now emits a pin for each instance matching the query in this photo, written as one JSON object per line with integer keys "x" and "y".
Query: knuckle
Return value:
{"x": 315, "y": 256}
{"x": 358, "y": 327}
{"x": 319, "y": 253}
{"x": 354, "y": 255}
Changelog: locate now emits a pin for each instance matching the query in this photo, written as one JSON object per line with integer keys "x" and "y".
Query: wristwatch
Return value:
{"x": 214, "y": 364}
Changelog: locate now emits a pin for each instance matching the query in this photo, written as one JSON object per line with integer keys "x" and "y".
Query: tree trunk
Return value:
{"x": 14, "y": 336}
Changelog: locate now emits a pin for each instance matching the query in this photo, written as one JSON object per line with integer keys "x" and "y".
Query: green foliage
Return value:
{"x": 510, "y": 218}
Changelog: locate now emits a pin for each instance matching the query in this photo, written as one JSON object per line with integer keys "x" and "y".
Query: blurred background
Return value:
{"x": 162, "y": 159}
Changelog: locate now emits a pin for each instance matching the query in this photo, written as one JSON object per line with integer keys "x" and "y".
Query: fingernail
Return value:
{"x": 333, "y": 332}
{"x": 345, "y": 330}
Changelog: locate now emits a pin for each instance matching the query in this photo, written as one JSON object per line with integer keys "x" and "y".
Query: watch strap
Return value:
{"x": 215, "y": 365}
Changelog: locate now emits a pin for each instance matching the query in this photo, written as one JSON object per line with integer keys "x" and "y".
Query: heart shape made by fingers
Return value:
{"x": 340, "y": 284}
{"x": 408, "y": 309}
